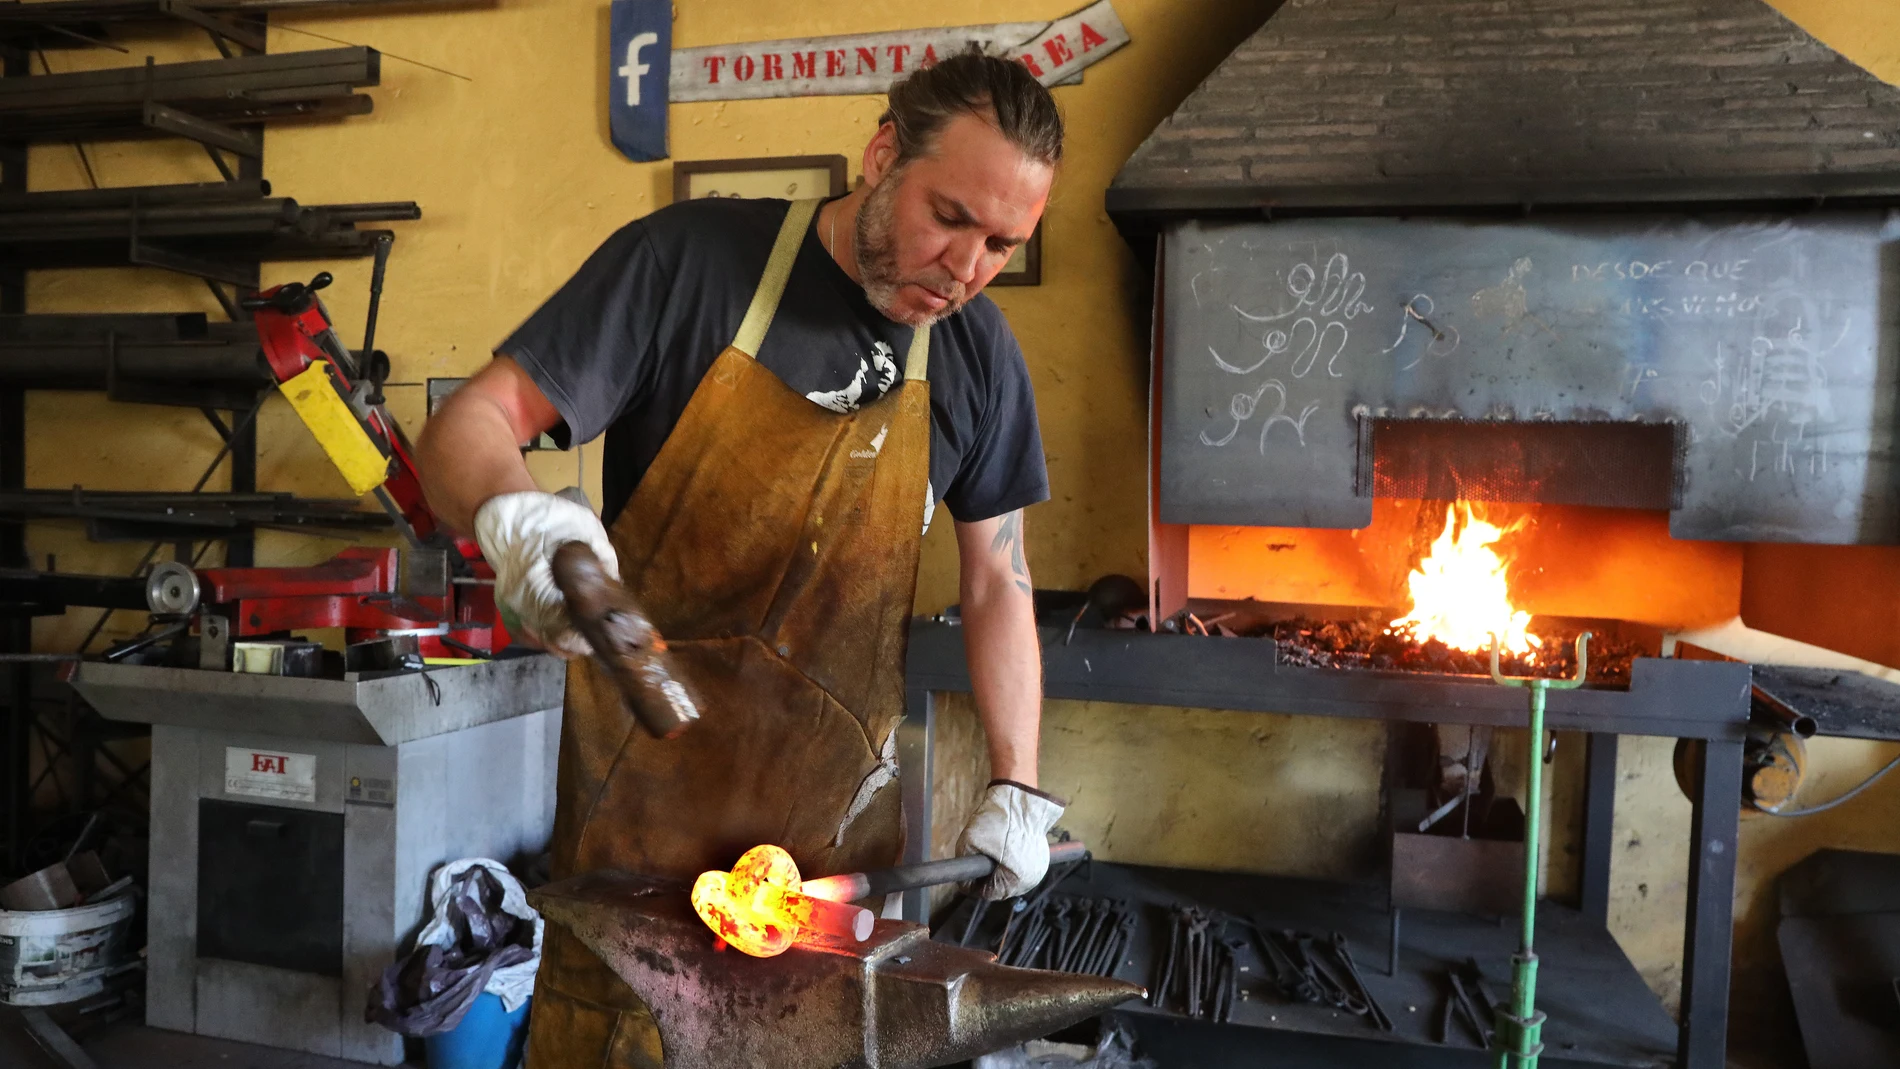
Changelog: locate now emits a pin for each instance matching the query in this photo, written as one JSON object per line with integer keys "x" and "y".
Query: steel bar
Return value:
{"x": 856, "y": 886}
{"x": 916, "y": 755}
{"x": 211, "y": 81}
{"x": 248, "y": 36}
{"x": 22, "y": 19}
{"x": 97, "y": 352}
{"x": 20, "y": 586}
{"x": 122, "y": 196}
{"x": 222, "y": 258}
{"x": 16, "y": 633}
{"x": 207, "y": 132}
{"x": 391, "y": 211}
{"x": 128, "y": 124}
{"x": 1713, "y": 827}
{"x": 1599, "y": 832}
{"x": 265, "y": 216}
{"x": 213, "y": 269}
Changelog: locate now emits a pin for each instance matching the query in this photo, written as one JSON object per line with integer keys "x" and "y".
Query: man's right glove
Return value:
{"x": 519, "y": 533}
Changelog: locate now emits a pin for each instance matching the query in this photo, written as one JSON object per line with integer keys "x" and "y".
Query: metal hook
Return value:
{"x": 1583, "y": 669}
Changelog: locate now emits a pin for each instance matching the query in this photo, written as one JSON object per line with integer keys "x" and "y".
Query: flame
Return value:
{"x": 749, "y": 906}
{"x": 1459, "y": 593}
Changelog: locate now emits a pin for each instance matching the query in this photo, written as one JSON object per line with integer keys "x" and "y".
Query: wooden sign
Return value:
{"x": 866, "y": 64}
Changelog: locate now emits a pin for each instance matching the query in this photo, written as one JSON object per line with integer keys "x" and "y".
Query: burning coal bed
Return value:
{"x": 1461, "y": 599}
{"x": 1352, "y": 644}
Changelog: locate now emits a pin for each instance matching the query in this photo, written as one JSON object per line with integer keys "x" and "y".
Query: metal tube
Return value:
{"x": 1763, "y": 705}
{"x": 856, "y": 886}
{"x": 1533, "y": 809}
{"x": 120, "y": 196}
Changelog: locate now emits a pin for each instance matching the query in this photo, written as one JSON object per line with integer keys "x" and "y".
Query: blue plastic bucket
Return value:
{"x": 489, "y": 1037}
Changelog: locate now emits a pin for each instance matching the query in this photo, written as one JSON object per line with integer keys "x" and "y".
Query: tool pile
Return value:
{"x": 1467, "y": 1001}
{"x": 1200, "y": 975}
{"x": 1069, "y": 934}
{"x": 1305, "y": 969}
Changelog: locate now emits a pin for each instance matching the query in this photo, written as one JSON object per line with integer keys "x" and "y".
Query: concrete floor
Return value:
{"x": 126, "y": 1044}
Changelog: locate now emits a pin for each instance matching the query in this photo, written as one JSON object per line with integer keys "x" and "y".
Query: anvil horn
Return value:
{"x": 897, "y": 1001}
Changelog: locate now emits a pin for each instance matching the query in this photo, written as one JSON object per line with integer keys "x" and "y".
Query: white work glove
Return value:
{"x": 1011, "y": 825}
{"x": 518, "y": 534}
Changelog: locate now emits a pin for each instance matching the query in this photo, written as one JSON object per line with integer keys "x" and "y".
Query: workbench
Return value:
{"x": 1701, "y": 700}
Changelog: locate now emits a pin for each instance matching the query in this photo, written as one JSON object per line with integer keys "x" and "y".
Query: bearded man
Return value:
{"x": 787, "y": 390}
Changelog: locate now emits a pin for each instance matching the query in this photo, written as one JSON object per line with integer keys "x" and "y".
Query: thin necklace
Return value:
{"x": 833, "y": 250}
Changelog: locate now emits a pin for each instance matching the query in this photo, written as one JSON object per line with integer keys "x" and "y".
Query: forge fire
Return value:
{"x": 1461, "y": 596}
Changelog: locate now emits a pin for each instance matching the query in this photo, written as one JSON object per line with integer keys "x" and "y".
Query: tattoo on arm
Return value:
{"x": 1009, "y": 539}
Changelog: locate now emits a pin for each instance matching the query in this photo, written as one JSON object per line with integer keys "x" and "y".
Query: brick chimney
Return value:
{"x": 1369, "y": 104}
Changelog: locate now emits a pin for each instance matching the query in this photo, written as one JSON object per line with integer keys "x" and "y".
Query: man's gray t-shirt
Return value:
{"x": 622, "y": 346}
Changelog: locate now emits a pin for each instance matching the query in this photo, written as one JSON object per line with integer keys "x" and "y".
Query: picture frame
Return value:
{"x": 788, "y": 177}
{"x": 1025, "y": 264}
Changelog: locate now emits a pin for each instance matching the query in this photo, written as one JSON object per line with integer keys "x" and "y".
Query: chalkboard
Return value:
{"x": 1771, "y": 340}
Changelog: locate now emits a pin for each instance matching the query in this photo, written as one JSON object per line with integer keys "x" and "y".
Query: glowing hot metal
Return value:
{"x": 758, "y": 907}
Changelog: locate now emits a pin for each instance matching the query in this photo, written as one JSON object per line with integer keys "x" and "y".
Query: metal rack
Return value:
{"x": 216, "y": 231}
{"x": 1702, "y": 700}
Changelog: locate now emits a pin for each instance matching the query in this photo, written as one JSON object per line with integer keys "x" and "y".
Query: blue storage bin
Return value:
{"x": 489, "y": 1037}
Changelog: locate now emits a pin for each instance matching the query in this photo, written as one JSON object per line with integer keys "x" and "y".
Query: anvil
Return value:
{"x": 896, "y": 1001}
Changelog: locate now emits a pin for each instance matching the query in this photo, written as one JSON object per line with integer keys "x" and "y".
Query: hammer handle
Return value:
{"x": 857, "y": 886}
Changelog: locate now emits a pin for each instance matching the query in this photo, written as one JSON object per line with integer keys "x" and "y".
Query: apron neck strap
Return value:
{"x": 917, "y": 361}
{"x": 778, "y": 268}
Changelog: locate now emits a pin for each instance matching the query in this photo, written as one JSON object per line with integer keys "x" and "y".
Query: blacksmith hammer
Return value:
{"x": 624, "y": 641}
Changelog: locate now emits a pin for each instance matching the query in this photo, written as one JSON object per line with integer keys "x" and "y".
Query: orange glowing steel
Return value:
{"x": 760, "y": 906}
{"x": 1459, "y": 593}
{"x": 747, "y": 907}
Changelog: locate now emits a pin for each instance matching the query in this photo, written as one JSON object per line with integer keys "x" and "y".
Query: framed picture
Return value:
{"x": 788, "y": 177}
{"x": 1025, "y": 264}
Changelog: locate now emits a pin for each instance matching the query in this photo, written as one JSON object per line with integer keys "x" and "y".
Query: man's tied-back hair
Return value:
{"x": 971, "y": 83}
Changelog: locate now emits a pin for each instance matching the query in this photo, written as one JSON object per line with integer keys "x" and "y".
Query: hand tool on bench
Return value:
{"x": 1518, "y": 1035}
{"x": 624, "y": 641}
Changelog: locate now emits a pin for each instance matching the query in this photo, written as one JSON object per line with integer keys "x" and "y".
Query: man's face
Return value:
{"x": 934, "y": 231}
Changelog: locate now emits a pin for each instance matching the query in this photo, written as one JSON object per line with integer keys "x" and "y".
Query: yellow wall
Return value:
{"x": 518, "y": 183}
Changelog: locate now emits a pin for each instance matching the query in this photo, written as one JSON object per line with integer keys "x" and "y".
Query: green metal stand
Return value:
{"x": 1518, "y": 1038}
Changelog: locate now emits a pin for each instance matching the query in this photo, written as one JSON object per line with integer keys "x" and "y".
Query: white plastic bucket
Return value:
{"x": 58, "y": 955}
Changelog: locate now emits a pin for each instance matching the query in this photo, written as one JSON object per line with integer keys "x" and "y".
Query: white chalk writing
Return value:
{"x": 1244, "y": 405}
{"x": 1443, "y": 339}
{"x": 1324, "y": 300}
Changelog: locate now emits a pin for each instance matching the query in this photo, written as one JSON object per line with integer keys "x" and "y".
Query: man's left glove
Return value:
{"x": 1012, "y": 825}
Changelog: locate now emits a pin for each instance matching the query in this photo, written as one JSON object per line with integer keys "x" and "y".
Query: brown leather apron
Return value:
{"x": 774, "y": 543}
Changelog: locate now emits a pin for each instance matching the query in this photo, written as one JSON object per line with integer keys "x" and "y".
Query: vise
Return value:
{"x": 896, "y": 1001}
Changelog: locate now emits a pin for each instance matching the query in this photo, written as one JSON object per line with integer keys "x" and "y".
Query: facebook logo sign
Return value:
{"x": 639, "y": 55}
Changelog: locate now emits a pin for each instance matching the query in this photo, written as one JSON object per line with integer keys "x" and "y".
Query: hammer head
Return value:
{"x": 624, "y": 642}
{"x": 896, "y": 1001}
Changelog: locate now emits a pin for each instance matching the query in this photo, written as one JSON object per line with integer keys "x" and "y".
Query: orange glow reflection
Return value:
{"x": 1459, "y": 593}
{"x": 748, "y": 907}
